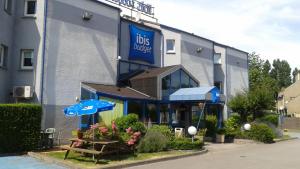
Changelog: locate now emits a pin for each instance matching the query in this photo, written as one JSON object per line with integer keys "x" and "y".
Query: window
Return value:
{"x": 219, "y": 85}
{"x": 170, "y": 46}
{"x": 217, "y": 58}
{"x": 30, "y": 8}
{"x": 3, "y": 55}
{"x": 26, "y": 59}
{"x": 8, "y": 6}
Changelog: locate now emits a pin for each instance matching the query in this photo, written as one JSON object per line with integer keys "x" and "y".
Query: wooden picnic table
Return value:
{"x": 96, "y": 147}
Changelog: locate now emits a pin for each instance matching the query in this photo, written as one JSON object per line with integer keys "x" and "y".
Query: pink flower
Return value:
{"x": 137, "y": 134}
{"x": 131, "y": 142}
{"x": 94, "y": 126}
{"x": 129, "y": 130}
{"x": 114, "y": 126}
{"x": 103, "y": 130}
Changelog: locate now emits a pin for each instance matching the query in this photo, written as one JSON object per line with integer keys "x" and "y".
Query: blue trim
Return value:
{"x": 125, "y": 108}
{"x": 158, "y": 113}
{"x": 144, "y": 110}
{"x": 170, "y": 114}
{"x": 43, "y": 50}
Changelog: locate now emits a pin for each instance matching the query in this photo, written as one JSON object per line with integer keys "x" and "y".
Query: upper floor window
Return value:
{"x": 30, "y": 8}
{"x": 217, "y": 58}
{"x": 27, "y": 59}
{"x": 3, "y": 55}
{"x": 170, "y": 45}
{"x": 8, "y": 6}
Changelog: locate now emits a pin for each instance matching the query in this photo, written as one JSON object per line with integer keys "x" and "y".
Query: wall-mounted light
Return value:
{"x": 199, "y": 50}
{"x": 87, "y": 16}
{"x": 119, "y": 57}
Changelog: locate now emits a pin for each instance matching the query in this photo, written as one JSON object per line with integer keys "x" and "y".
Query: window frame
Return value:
{"x": 221, "y": 86}
{"x": 1, "y": 56}
{"x": 26, "y": 8}
{"x": 7, "y": 8}
{"x": 219, "y": 61}
{"x": 173, "y": 51}
{"x": 22, "y": 59}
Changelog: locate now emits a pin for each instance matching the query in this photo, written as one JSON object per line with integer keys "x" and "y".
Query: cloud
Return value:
{"x": 268, "y": 27}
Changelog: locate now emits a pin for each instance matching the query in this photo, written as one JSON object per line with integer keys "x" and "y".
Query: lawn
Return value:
{"x": 79, "y": 159}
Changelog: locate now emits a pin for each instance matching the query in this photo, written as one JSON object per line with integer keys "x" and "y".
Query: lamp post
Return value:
{"x": 192, "y": 131}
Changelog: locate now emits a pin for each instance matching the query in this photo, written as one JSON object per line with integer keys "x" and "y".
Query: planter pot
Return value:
{"x": 220, "y": 138}
{"x": 229, "y": 139}
{"x": 208, "y": 139}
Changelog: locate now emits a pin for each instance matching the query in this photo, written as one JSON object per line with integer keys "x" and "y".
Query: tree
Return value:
{"x": 295, "y": 73}
{"x": 239, "y": 104}
{"x": 281, "y": 72}
{"x": 259, "y": 75}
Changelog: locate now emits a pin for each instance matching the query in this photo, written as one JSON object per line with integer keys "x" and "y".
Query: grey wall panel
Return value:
{"x": 78, "y": 50}
{"x": 125, "y": 42}
{"x": 199, "y": 64}
{"x": 53, "y": 117}
{"x": 172, "y": 58}
{"x": 6, "y": 36}
{"x": 237, "y": 72}
{"x": 28, "y": 33}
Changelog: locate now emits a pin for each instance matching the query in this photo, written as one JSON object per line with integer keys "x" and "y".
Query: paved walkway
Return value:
{"x": 282, "y": 155}
{"x": 25, "y": 162}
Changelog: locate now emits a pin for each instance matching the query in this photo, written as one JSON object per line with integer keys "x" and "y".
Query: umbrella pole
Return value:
{"x": 93, "y": 135}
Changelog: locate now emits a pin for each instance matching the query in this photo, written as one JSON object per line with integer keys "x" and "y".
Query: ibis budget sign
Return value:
{"x": 141, "y": 44}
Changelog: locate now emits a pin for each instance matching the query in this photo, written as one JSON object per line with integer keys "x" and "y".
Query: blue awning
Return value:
{"x": 210, "y": 93}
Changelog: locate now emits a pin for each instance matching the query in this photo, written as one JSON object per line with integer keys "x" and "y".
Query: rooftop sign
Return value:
{"x": 135, "y": 5}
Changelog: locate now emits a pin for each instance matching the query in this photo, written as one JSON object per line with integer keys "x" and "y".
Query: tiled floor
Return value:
{"x": 25, "y": 162}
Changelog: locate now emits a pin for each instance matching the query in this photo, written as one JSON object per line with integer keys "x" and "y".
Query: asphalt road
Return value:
{"x": 282, "y": 155}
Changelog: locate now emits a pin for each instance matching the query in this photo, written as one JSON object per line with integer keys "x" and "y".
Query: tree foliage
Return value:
{"x": 281, "y": 72}
{"x": 295, "y": 73}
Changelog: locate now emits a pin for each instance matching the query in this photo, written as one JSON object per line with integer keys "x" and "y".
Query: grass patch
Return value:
{"x": 80, "y": 159}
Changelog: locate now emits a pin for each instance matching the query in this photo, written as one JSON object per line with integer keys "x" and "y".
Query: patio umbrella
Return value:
{"x": 88, "y": 107}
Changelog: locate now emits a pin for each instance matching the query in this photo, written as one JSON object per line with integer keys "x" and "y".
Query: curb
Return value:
{"x": 287, "y": 139}
{"x": 68, "y": 164}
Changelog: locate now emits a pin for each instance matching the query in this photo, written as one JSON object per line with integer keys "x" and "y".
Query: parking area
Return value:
{"x": 25, "y": 162}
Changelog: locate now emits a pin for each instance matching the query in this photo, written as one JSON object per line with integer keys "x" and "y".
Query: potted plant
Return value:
{"x": 220, "y": 136}
{"x": 201, "y": 134}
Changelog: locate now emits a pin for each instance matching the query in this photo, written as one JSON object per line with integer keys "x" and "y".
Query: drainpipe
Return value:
{"x": 43, "y": 51}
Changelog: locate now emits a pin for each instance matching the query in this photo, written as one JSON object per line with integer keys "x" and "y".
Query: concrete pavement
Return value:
{"x": 282, "y": 155}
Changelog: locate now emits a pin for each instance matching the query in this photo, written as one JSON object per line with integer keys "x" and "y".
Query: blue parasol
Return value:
{"x": 88, "y": 107}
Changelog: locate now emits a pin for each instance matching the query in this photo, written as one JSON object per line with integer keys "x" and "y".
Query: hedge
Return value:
{"x": 20, "y": 126}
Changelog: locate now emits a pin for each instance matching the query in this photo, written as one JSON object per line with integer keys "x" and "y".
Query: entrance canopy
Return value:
{"x": 210, "y": 93}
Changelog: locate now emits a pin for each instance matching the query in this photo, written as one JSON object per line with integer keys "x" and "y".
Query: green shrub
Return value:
{"x": 211, "y": 125}
{"x": 232, "y": 125}
{"x": 220, "y": 131}
{"x": 185, "y": 144}
{"x": 20, "y": 126}
{"x": 261, "y": 132}
{"x": 154, "y": 141}
{"x": 131, "y": 120}
{"x": 270, "y": 118}
{"x": 165, "y": 130}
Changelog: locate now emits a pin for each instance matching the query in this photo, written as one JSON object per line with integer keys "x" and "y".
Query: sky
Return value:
{"x": 270, "y": 28}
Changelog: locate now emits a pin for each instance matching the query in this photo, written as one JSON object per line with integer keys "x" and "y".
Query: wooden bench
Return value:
{"x": 81, "y": 150}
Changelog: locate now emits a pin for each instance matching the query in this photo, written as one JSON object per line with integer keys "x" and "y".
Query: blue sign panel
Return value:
{"x": 141, "y": 44}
